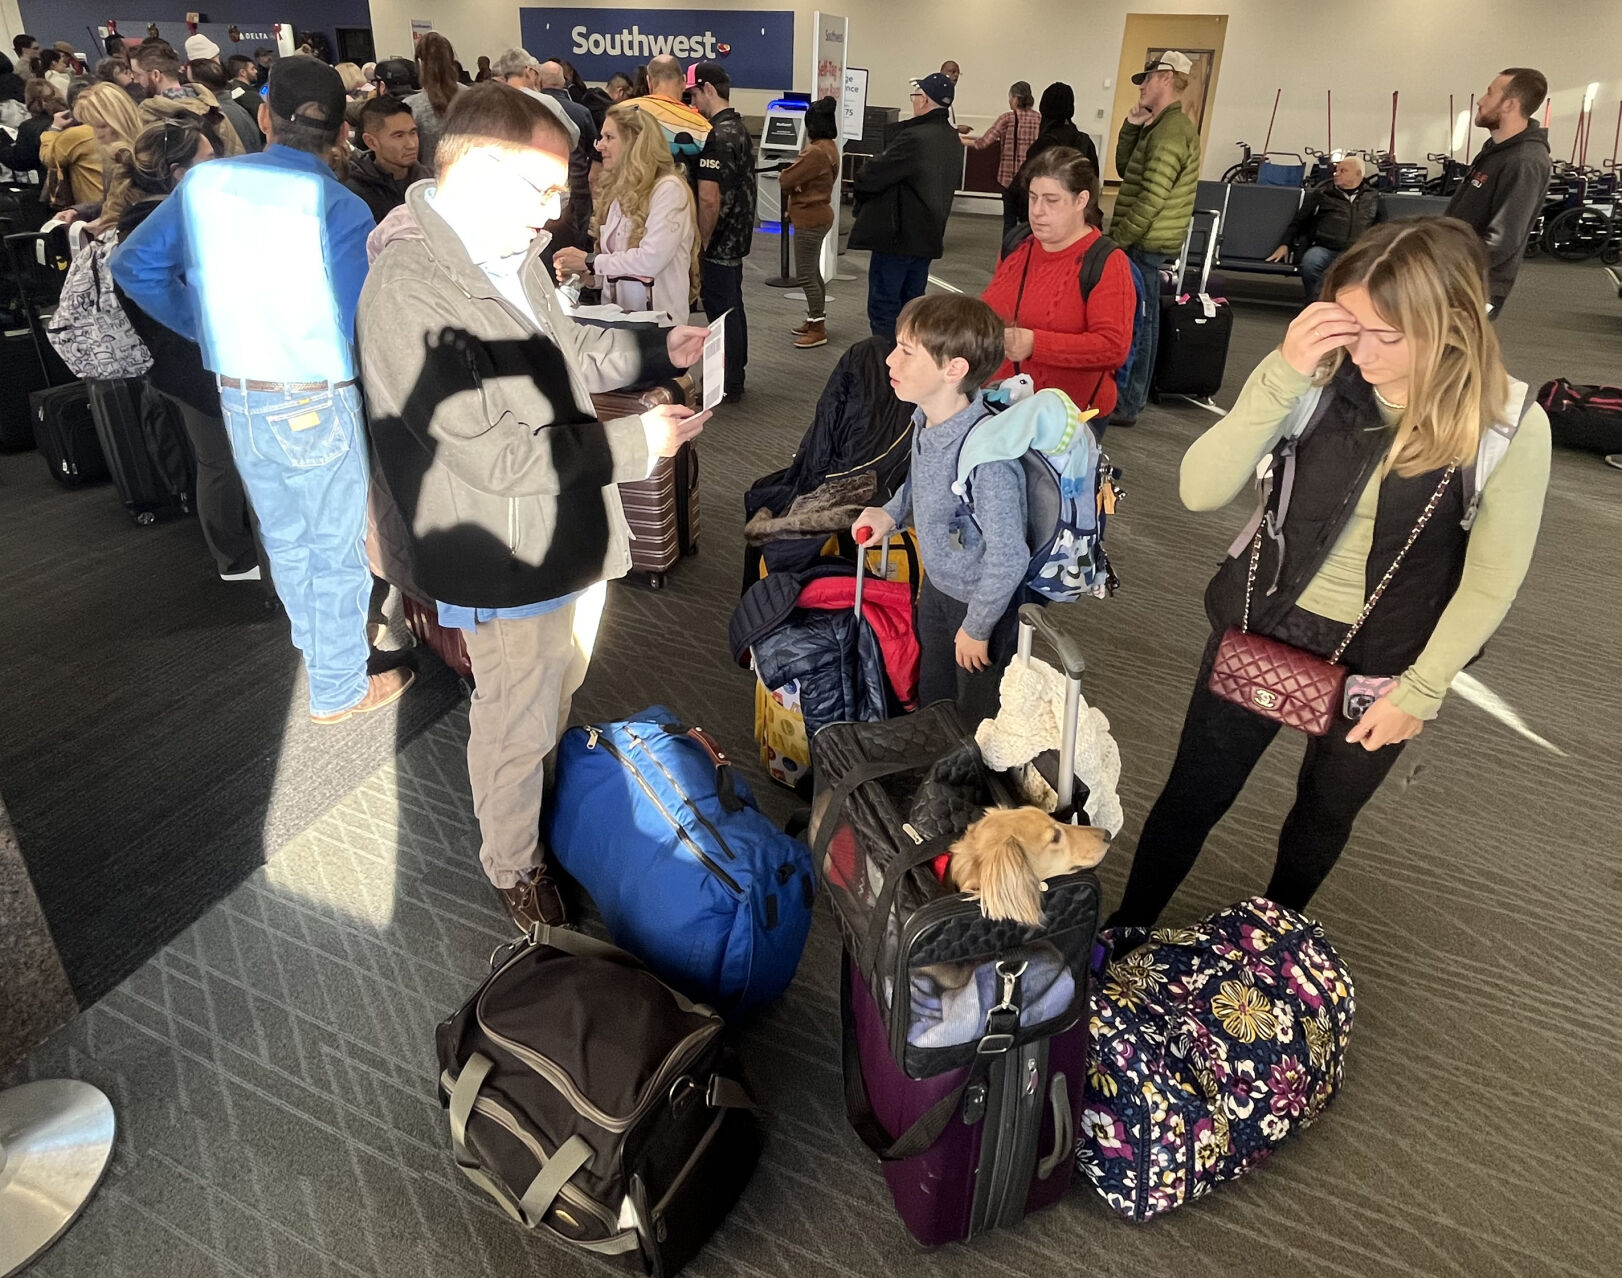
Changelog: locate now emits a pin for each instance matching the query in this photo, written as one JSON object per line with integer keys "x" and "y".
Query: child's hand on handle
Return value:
{"x": 873, "y": 524}
{"x": 974, "y": 655}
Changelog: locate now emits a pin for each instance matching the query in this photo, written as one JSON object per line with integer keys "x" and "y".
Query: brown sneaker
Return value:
{"x": 816, "y": 334}
{"x": 381, "y": 690}
{"x": 534, "y": 900}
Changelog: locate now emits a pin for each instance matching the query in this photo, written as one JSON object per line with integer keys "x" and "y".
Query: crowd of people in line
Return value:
{"x": 453, "y": 239}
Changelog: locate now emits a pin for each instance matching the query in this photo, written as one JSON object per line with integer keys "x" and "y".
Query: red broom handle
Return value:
{"x": 1452, "y": 149}
{"x": 1392, "y": 152}
{"x": 1616, "y": 139}
{"x": 1268, "y": 139}
{"x": 1329, "y": 118}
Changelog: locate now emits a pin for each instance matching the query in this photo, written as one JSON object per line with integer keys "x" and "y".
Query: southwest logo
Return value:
{"x": 723, "y": 48}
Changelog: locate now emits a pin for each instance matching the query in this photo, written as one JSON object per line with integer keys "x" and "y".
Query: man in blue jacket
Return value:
{"x": 286, "y": 368}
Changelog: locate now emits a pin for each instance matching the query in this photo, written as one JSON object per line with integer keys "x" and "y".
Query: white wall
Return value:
{"x": 1425, "y": 49}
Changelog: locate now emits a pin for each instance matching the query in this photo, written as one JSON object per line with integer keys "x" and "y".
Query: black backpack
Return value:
{"x": 1091, "y": 269}
{"x": 594, "y": 1102}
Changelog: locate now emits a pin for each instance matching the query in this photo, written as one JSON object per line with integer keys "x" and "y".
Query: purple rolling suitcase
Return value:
{"x": 1008, "y": 1144}
{"x": 964, "y": 1039}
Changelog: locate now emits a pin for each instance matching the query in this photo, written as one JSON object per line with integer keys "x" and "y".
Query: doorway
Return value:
{"x": 1200, "y": 36}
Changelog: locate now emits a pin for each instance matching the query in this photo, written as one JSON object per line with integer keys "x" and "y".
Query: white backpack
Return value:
{"x": 89, "y": 328}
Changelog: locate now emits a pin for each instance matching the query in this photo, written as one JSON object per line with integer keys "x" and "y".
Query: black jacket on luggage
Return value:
{"x": 1501, "y": 197}
{"x": 904, "y": 196}
{"x": 1332, "y": 218}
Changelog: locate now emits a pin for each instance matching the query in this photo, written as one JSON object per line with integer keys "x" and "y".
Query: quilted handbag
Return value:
{"x": 1211, "y": 1046}
{"x": 1289, "y": 685}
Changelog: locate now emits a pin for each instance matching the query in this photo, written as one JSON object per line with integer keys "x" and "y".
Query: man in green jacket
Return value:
{"x": 1158, "y": 158}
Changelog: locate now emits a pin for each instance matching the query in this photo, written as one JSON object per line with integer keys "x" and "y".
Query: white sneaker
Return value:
{"x": 252, "y": 574}
{"x": 1614, "y": 459}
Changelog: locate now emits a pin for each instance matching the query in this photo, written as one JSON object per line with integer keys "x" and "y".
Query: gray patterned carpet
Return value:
{"x": 273, "y": 1071}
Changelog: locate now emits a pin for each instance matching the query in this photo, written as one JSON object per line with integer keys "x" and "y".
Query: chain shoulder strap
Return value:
{"x": 1424, "y": 518}
{"x": 1374, "y": 598}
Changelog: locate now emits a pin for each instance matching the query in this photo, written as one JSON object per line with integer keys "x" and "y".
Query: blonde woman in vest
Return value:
{"x": 644, "y": 222}
{"x": 1410, "y": 381}
{"x": 116, "y": 123}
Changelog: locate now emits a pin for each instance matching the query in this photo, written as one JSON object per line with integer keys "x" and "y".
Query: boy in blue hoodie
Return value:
{"x": 947, "y": 346}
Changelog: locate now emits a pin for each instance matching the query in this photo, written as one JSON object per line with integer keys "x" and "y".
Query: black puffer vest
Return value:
{"x": 1340, "y": 450}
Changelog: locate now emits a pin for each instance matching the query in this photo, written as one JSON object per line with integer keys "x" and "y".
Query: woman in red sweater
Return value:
{"x": 1061, "y": 339}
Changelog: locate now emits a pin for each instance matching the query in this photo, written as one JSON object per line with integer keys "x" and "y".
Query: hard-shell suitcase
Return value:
{"x": 35, "y": 264}
{"x": 144, "y": 446}
{"x": 1007, "y": 1147}
{"x": 66, "y": 435}
{"x": 1195, "y": 327}
{"x": 688, "y": 873}
{"x": 662, "y": 509}
{"x": 445, "y": 642}
{"x": 971, "y": 1127}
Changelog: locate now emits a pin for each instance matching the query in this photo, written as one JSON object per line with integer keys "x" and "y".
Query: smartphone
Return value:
{"x": 1361, "y": 692}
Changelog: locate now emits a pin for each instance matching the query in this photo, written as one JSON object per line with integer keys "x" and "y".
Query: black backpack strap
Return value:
{"x": 1093, "y": 262}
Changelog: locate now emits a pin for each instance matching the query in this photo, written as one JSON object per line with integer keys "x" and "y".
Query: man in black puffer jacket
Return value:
{"x": 1332, "y": 215}
{"x": 903, "y": 198}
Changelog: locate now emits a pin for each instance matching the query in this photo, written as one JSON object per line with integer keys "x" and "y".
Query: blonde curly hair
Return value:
{"x": 106, "y": 106}
{"x": 645, "y": 161}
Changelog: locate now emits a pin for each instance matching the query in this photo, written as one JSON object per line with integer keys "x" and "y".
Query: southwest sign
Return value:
{"x": 755, "y": 45}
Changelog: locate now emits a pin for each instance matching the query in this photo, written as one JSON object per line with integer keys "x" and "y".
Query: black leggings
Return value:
{"x": 1220, "y": 745}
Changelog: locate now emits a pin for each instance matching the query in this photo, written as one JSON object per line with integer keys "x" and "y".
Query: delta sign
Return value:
{"x": 755, "y": 45}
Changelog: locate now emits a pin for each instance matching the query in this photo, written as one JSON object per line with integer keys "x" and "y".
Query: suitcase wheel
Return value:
{"x": 656, "y": 581}
{"x": 692, "y": 549}
{"x": 145, "y": 518}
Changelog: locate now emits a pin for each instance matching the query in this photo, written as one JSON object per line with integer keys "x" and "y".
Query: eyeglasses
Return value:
{"x": 546, "y": 193}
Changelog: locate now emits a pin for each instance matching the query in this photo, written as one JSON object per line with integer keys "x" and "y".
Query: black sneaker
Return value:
{"x": 732, "y": 396}
{"x": 533, "y": 901}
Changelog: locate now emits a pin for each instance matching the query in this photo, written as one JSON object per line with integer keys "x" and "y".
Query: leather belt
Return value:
{"x": 247, "y": 384}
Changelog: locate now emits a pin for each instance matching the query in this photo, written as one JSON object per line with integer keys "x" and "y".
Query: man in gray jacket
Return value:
{"x": 1509, "y": 179}
{"x": 478, "y": 392}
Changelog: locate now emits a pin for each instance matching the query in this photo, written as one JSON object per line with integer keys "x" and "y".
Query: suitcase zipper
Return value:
{"x": 504, "y": 1118}
{"x": 559, "y": 1079}
{"x": 676, "y": 786}
{"x": 594, "y": 738}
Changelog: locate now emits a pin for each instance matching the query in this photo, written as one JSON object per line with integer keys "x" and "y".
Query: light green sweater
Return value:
{"x": 1222, "y": 463}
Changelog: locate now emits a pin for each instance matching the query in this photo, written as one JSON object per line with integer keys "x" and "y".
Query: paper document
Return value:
{"x": 715, "y": 362}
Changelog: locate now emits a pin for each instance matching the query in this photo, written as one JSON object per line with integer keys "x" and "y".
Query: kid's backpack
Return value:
{"x": 1070, "y": 487}
{"x": 89, "y": 328}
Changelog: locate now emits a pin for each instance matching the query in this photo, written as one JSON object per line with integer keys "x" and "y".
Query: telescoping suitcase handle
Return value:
{"x": 1188, "y": 249}
{"x": 863, "y": 535}
{"x": 1033, "y": 618}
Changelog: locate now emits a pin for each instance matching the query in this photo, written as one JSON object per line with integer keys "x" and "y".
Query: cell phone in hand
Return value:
{"x": 1361, "y": 692}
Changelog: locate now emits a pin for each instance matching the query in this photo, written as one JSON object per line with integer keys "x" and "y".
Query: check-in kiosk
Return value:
{"x": 781, "y": 141}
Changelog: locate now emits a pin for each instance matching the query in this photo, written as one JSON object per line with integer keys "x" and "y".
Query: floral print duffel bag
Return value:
{"x": 1211, "y": 1044}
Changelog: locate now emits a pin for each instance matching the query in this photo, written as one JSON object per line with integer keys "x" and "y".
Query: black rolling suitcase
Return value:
{"x": 35, "y": 264}
{"x": 148, "y": 463}
{"x": 1195, "y": 328}
{"x": 66, "y": 435}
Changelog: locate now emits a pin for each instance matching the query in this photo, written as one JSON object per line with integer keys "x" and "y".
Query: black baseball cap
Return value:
{"x": 397, "y": 75}
{"x": 306, "y": 88}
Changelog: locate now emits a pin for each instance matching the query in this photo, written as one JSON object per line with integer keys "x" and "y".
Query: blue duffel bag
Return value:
{"x": 652, "y": 820}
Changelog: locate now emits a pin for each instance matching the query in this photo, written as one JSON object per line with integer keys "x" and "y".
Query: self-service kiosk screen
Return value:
{"x": 780, "y": 131}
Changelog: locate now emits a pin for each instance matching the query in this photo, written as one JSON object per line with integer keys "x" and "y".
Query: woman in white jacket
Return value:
{"x": 645, "y": 224}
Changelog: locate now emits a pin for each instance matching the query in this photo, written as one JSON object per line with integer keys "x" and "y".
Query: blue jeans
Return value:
{"x": 1315, "y": 262}
{"x": 893, "y": 280}
{"x": 1134, "y": 393}
{"x": 302, "y": 457}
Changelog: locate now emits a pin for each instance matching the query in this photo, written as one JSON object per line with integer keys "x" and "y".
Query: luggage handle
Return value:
{"x": 725, "y": 787}
{"x": 1033, "y": 618}
{"x": 861, "y": 562}
{"x": 1064, "y": 1128}
{"x": 1188, "y": 248}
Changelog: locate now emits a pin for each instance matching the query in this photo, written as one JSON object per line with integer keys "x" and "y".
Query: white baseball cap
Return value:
{"x": 1170, "y": 60}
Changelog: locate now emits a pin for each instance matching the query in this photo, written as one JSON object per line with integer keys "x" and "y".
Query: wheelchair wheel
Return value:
{"x": 1241, "y": 173}
{"x": 1611, "y": 254}
{"x": 1577, "y": 234}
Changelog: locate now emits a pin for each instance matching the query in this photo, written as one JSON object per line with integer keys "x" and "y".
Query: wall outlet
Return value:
{"x": 1099, "y": 114}
{"x": 1108, "y": 83}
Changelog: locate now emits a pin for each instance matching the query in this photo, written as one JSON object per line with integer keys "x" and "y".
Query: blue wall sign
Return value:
{"x": 755, "y": 45}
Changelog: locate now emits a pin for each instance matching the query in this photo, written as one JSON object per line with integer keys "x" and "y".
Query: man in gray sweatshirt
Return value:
{"x": 1507, "y": 183}
{"x": 947, "y": 345}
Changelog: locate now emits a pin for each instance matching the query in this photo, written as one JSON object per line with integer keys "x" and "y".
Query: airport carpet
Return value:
{"x": 272, "y": 1065}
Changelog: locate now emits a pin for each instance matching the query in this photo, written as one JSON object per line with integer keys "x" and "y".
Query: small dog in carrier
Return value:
{"x": 1006, "y": 858}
